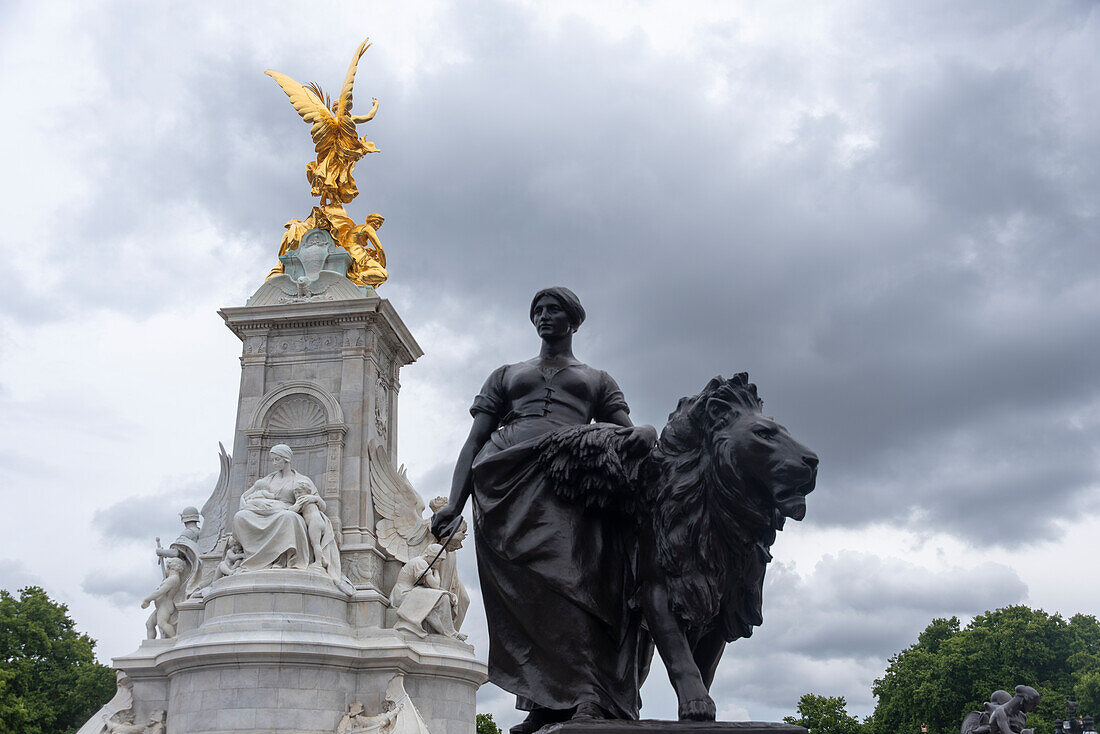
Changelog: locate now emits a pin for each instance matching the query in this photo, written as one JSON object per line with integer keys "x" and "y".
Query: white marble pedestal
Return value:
{"x": 273, "y": 651}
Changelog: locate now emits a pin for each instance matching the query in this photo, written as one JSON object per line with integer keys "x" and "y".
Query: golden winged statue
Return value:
{"x": 339, "y": 148}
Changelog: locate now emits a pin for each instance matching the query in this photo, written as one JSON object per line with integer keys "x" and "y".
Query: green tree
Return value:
{"x": 1087, "y": 692}
{"x": 49, "y": 679}
{"x": 486, "y": 725}
{"x": 951, "y": 671}
{"x": 825, "y": 715}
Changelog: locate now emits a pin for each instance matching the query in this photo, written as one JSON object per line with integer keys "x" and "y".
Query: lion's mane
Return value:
{"x": 711, "y": 537}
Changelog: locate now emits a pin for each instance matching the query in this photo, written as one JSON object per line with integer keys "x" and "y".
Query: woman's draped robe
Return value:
{"x": 555, "y": 576}
{"x": 267, "y": 528}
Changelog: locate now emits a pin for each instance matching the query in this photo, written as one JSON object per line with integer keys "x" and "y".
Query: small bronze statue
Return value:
{"x": 1003, "y": 714}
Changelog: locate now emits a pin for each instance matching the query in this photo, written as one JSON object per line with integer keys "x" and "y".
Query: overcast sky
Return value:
{"x": 885, "y": 212}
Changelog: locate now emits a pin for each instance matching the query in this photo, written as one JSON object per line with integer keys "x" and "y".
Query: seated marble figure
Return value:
{"x": 280, "y": 523}
{"x": 423, "y": 605}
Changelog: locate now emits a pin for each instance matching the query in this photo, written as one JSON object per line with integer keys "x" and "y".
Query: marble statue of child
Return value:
{"x": 231, "y": 562}
{"x": 164, "y": 596}
{"x": 308, "y": 503}
{"x": 261, "y": 496}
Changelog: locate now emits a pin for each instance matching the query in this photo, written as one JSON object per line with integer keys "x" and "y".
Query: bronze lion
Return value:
{"x": 716, "y": 488}
{"x": 706, "y": 503}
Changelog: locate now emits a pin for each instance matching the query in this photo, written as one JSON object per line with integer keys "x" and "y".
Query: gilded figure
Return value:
{"x": 339, "y": 147}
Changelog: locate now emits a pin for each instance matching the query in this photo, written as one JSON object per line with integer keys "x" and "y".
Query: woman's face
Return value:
{"x": 550, "y": 319}
{"x": 279, "y": 462}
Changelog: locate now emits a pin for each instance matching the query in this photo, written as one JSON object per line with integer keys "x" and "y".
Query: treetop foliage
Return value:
{"x": 951, "y": 671}
{"x": 486, "y": 725}
{"x": 825, "y": 715}
{"x": 50, "y": 681}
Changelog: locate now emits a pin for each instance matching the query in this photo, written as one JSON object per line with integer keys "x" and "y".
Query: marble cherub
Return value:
{"x": 308, "y": 503}
{"x": 231, "y": 561}
{"x": 164, "y": 596}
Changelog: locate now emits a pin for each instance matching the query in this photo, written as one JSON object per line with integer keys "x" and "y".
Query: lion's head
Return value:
{"x": 721, "y": 481}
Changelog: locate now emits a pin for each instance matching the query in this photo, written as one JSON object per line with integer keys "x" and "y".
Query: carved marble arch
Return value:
{"x": 306, "y": 417}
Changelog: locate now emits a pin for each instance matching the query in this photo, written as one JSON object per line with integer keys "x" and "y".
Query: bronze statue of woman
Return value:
{"x": 555, "y": 575}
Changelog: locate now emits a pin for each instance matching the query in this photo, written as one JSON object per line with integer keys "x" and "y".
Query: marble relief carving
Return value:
{"x": 296, "y": 412}
{"x": 363, "y": 568}
{"x": 382, "y": 409}
{"x": 398, "y": 714}
{"x": 123, "y": 723}
{"x": 297, "y": 344}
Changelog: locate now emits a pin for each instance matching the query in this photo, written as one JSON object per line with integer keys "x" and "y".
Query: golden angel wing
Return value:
{"x": 308, "y": 105}
{"x": 344, "y": 105}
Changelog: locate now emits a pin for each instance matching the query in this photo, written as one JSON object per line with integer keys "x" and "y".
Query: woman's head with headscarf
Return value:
{"x": 281, "y": 456}
{"x": 568, "y": 301}
{"x": 281, "y": 449}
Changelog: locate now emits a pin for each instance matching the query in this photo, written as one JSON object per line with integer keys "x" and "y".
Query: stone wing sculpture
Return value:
{"x": 214, "y": 511}
{"x": 401, "y": 528}
{"x": 122, "y": 701}
{"x": 409, "y": 720}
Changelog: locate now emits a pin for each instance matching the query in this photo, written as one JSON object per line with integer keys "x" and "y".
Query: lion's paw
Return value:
{"x": 697, "y": 709}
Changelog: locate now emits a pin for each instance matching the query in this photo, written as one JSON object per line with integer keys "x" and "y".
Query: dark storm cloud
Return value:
{"x": 919, "y": 315}
{"x": 900, "y": 252}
